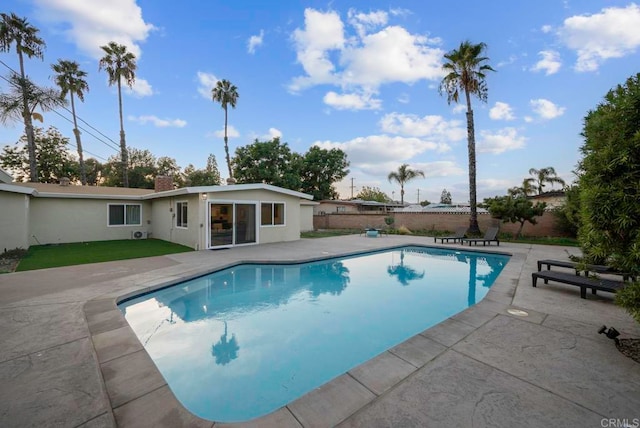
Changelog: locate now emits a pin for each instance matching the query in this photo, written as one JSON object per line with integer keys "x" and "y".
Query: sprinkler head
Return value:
{"x": 611, "y": 333}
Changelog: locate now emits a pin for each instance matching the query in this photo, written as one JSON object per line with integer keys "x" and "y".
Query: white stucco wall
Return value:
{"x": 290, "y": 231}
{"x": 14, "y": 221}
{"x": 163, "y": 225}
{"x": 60, "y": 220}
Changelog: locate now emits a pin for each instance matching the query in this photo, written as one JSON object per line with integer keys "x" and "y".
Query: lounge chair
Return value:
{"x": 491, "y": 235}
{"x": 457, "y": 236}
{"x": 583, "y": 282}
{"x": 586, "y": 268}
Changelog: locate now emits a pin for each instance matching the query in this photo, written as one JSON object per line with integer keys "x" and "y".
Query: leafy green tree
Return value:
{"x": 466, "y": 70}
{"x": 17, "y": 31}
{"x": 120, "y": 64}
{"x": 269, "y": 162}
{"x": 226, "y": 94}
{"x": 372, "y": 194}
{"x": 93, "y": 171}
{"x": 542, "y": 176}
{"x": 52, "y": 156}
{"x": 515, "y": 210}
{"x": 169, "y": 166}
{"x": 424, "y": 203}
{"x": 71, "y": 80}
{"x": 568, "y": 215}
{"x": 445, "y": 197}
{"x": 142, "y": 170}
{"x": 320, "y": 169}
{"x": 209, "y": 176}
{"x": 402, "y": 176}
{"x": 609, "y": 191}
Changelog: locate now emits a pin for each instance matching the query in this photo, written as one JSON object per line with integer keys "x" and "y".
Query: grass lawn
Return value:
{"x": 48, "y": 256}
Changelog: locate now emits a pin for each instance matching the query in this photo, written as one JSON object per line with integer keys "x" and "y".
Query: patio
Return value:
{"x": 68, "y": 358}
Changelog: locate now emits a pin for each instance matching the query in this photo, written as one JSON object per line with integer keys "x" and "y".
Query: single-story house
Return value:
{"x": 331, "y": 206}
{"x": 554, "y": 199}
{"x": 198, "y": 217}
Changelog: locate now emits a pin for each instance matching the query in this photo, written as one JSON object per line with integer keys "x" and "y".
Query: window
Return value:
{"x": 272, "y": 214}
{"x": 181, "y": 214}
{"x": 124, "y": 215}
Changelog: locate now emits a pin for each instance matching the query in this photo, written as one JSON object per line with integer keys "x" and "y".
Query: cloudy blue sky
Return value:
{"x": 360, "y": 76}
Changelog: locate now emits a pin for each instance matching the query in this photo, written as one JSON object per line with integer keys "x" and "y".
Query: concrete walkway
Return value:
{"x": 68, "y": 358}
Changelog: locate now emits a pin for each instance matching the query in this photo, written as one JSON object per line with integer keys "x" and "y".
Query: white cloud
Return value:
{"x": 231, "y": 133}
{"x": 376, "y": 148}
{"x": 273, "y": 133}
{"x": 404, "y": 98}
{"x": 546, "y": 28}
{"x": 550, "y": 62}
{"x": 501, "y": 111}
{"x": 546, "y": 109}
{"x": 323, "y": 32}
{"x": 207, "y": 82}
{"x": 365, "y": 22}
{"x": 612, "y": 33}
{"x": 353, "y": 101}
{"x": 254, "y": 42}
{"x": 459, "y": 108}
{"x": 90, "y": 24}
{"x": 528, "y": 119}
{"x": 358, "y": 63}
{"x": 501, "y": 141}
{"x": 141, "y": 88}
{"x": 156, "y": 121}
{"x": 508, "y": 61}
{"x": 431, "y": 127}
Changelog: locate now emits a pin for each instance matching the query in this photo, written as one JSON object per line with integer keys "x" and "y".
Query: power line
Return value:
{"x": 116, "y": 148}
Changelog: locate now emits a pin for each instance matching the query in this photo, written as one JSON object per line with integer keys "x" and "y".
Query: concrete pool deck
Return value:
{"x": 68, "y": 358}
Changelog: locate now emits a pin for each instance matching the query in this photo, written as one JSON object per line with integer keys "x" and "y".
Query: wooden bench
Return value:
{"x": 578, "y": 267}
{"x": 583, "y": 282}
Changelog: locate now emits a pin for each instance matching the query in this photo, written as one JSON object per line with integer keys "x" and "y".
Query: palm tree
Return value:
{"x": 119, "y": 65}
{"x": 16, "y": 30}
{"x": 525, "y": 190}
{"x": 23, "y": 98}
{"x": 466, "y": 70}
{"x": 542, "y": 176}
{"x": 226, "y": 94}
{"x": 402, "y": 175}
{"x": 70, "y": 79}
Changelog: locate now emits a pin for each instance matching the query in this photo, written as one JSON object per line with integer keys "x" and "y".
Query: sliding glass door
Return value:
{"x": 232, "y": 223}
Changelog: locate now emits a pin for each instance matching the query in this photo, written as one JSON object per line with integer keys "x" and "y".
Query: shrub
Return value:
{"x": 404, "y": 230}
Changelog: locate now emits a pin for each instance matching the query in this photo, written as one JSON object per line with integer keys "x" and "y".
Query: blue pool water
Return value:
{"x": 240, "y": 343}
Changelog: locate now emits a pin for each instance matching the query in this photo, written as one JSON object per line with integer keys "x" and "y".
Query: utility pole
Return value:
{"x": 352, "y": 187}
{"x": 418, "y": 196}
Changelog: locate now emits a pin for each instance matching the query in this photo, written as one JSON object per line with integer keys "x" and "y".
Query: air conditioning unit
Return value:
{"x": 139, "y": 234}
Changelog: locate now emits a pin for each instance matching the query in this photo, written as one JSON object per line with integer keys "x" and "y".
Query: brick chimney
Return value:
{"x": 163, "y": 183}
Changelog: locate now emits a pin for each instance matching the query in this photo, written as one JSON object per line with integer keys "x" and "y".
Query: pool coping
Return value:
{"x": 135, "y": 387}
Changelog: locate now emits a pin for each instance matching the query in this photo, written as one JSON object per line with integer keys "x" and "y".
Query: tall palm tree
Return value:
{"x": 71, "y": 80}
{"x": 466, "y": 71}
{"x": 226, "y": 94}
{"x": 402, "y": 175}
{"x": 16, "y": 30}
{"x": 120, "y": 64}
{"x": 542, "y": 176}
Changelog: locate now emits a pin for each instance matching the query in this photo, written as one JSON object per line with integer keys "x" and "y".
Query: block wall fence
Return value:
{"x": 545, "y": 226}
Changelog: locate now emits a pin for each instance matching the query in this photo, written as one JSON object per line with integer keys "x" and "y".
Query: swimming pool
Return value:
{"x": 242, "y": 342}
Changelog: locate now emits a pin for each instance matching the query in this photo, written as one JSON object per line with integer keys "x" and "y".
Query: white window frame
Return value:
{"x": 273, "y": 204}
{"x": 185, "y": 220}
{"x": 124, "y": 206}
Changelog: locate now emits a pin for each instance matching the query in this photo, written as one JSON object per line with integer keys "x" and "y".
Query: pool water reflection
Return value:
{"x": 242, "y": 342}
